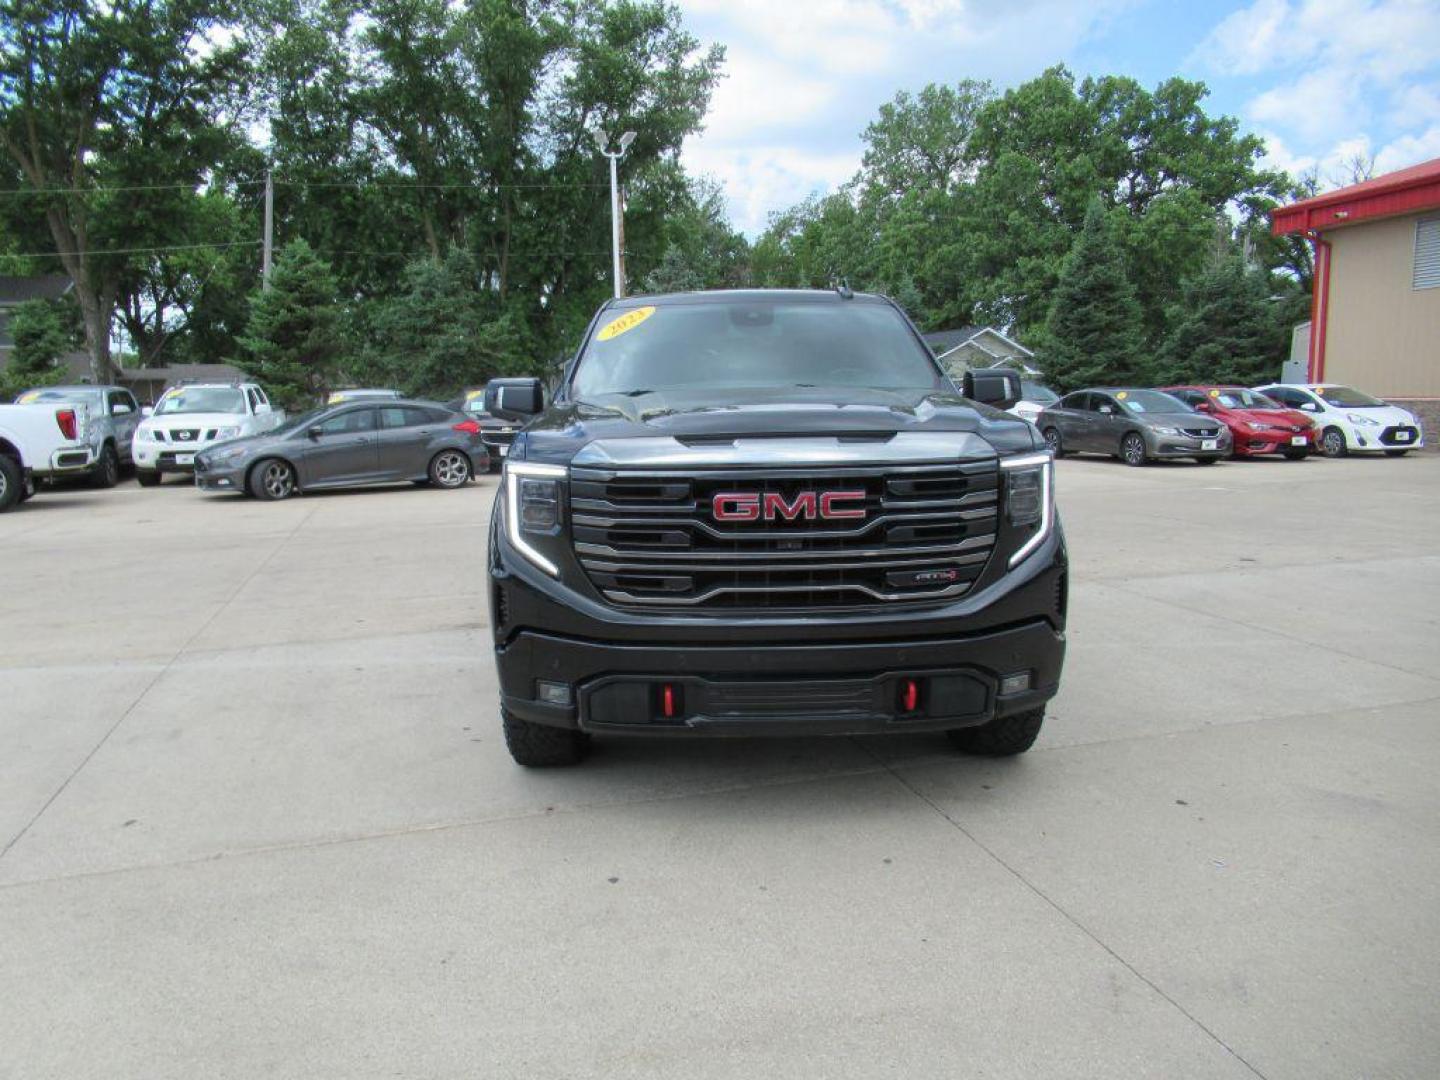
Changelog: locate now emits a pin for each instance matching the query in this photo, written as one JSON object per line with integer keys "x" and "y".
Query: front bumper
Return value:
{"x": 166, "y": 458}
{"x": 223, "y": 478}
{"x": 1163, "y": 446}
{"x": 826, "y": 673}
{"x": 1256, "y": 443}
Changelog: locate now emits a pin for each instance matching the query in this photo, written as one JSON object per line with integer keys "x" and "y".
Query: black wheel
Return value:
{"x": 1000, "y": 738}
{"x": 1206, "y": 460}
{"x": 1132, "y": 449}
{"x": 1332, "y": 443}
{"x": 272, "y": 479}
{"x": 12, "y": 483}
{"x": 1396, "y": 453}
{"x": 147, "y": 477}
{"x": 539, "y": 746}
{"x": 1297, "y": 453}
{"x": 449, "y": 469}
{"x": 1052, "y": 440}
{"x": 106, "y": 473}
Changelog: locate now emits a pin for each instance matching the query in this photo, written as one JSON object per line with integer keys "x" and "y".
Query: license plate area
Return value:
{"x": 1209, "y": 444}
{"x": 184, "y": 459}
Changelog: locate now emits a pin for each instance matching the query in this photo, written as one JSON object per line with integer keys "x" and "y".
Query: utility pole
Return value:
{"x": 603, "y": 142}
{"x": 269, "y": 232}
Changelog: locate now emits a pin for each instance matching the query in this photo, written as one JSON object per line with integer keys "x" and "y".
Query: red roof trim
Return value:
{"x": 1407, "y": 191}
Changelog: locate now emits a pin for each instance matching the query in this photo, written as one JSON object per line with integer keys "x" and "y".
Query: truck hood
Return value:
{"x": 557, "y": 435}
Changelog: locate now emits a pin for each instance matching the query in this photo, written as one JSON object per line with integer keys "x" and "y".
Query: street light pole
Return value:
{"x": 603, "y": 142}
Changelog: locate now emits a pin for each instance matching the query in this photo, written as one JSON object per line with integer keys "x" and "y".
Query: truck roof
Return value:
{"x": 754, "y": 296}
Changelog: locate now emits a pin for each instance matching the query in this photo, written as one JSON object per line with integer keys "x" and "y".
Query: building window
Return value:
{"x": 1427, "y": 254}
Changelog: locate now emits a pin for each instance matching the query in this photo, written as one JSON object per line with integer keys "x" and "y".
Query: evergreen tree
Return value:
{"x": 293, "y": 341}
{"x": 1227, "y": 327}
{"x": 40, "y": 338}
{"x": 674, "y": 274}
{"x": 1095, "y": 328}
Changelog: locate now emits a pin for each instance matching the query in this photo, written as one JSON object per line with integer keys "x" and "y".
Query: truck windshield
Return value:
{"x": 201, "y": 399}
{"x": 750, "y": 343}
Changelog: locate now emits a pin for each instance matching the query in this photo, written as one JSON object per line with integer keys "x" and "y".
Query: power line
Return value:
{"x": 116, "y": 190}
{"x": 325, "y": 184}
{"x": 124, "y": 251}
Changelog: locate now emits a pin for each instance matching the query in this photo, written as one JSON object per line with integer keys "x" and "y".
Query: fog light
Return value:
{"x": 1015, "y": 684}
{"x": 554, "y": 693}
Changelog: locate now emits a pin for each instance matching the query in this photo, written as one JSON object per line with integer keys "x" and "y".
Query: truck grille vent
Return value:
{"x": 651, "y": 538}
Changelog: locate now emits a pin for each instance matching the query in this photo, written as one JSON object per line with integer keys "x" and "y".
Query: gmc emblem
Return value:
{"x": 772, "y": 506}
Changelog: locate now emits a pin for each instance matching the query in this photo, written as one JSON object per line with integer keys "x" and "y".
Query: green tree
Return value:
{"x": 41, "y": 338}
{"x": 674, "y": 274}
{"x": 111, "y": 113}
{"x": 293, "y": 341}
{"x": 1094, "y": 334}
{"x": 445, "y": 332}
{"x": 1229, "y": 325}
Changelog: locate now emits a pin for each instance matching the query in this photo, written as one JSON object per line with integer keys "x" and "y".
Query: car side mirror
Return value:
{"x": 998, "y": 387}
{"x": 1107, "y": 410}
{"x": 120, "y": 409}
{"x": 314, "y": 433}
{"x": 514, "y": 399}
{"x": 1310, "y": 406}
{"x": 146, "y": 410}
{"x": 1202, "y": 406}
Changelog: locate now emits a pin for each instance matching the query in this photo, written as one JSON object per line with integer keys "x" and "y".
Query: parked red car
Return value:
{"x": 1258, "y": 424}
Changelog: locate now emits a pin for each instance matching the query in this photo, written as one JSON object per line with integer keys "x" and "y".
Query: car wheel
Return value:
{"x": 449, "y": 469}
{"x": 1000, "y": 738}
{"x": 147, "y": 477}
{"x": 540, "y": 746}
{"x": 106, "y": 473}
{"x": 272, "y": 479}
{"x": 1132, "y": 449}
{"x": 1052, "y": 440}
{"x": 1206, "y": 460}
{"x": 1332, "y": 443}
{"x": 12, "y": 482}
{"x": 1297, "y": 454}
{"x": 1396, "y": 453}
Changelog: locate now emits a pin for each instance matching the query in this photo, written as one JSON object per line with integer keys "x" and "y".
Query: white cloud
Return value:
{"x": 1409, "y": 150}
{"x": 1248, "y": 40}
{"x": 1317, "y": 104}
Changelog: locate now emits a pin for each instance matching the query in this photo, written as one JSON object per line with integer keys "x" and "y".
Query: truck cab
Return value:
{"x": 769, "y": 512}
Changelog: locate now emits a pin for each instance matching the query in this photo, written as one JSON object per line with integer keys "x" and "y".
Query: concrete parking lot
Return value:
{"x": 258, "y": 819}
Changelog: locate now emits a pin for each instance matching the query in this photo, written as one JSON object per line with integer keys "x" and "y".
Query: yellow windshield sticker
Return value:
{"x": 1214, "y": 393}
{"x": 1121, "y": 396}
{"x": 33, "y": 396}
{"x": 473, "y": 394}
{"x": 335, "y": 399}
{"x": 624, "y": 323}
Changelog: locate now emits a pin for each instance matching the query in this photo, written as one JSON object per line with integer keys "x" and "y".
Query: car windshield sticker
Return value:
{"x": 473, "y": 394}
{"x": 624, "y": 323}
{"x": 1122, "y": 395}
{"x": 1214, "y": 393}
{"x": 335, "y": 399}
{"x": 26, "y": 399}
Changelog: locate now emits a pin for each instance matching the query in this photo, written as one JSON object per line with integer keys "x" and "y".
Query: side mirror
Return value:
{"x": 120, "y": 409}
{"x": 1107, "y": 410}
{"x": 514, "y": 399}
{"x": 146, "y": 410}
{"x": 999, "y": 387}
{"x": 314, "y": 433}
{"x": 1202, "y": 406}
{"x": 1310, "y": 406}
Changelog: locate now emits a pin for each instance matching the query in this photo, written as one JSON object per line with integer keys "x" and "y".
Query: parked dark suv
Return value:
{"x": 767, "y": 512}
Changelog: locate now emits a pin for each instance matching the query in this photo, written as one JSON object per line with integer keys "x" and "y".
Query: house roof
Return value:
{"x": 1405, "y": 191}
{"x": 944, "y": 340}
{"x": 17, "y": 290}
{"x": 977, "y": 332}
{"x": 176, "y": 372}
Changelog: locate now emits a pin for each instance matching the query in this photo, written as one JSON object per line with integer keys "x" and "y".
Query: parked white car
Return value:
{"x": 1034, "y": 397}
{"x": 1349, "y": 420}
{"x": 39, "y": 440}
{"x": 194, "y": 417}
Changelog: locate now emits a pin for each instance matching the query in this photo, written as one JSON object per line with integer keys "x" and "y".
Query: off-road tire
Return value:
{"x": 539, "y": 746}
{"x": 1332, "y": 443}
{"x": 271, "y": 479}
{"x": 147, "y": 477}
{"x": 999, "y": 738}
{"x": 12, "y": 483}
{"x": 106, "y": 472}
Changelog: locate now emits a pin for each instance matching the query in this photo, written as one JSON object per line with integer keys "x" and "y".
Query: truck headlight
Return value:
{"x": 226, "y": 433}
{"x": 532, "y": 507}
{"x": 1029, "y": 499}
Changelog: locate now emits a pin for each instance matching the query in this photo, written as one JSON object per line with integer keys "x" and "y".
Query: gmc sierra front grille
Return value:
{"x": 887, "y": 535}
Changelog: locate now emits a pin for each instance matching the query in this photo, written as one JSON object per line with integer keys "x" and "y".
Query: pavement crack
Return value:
{"x": 145, "y": 690}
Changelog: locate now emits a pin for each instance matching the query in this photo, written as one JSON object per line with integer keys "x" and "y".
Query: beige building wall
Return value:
{"x": 1383, "y": 335}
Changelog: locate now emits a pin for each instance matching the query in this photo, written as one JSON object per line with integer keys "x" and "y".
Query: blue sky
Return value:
{"x": 1320, "y": 80}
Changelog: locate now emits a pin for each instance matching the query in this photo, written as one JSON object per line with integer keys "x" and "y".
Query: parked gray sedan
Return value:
{"x": 1137, "y": 426}
{"x": 344, "y": 445}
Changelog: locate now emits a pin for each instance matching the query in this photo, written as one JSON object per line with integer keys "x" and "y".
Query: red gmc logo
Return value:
{"x": 772, "y": 506}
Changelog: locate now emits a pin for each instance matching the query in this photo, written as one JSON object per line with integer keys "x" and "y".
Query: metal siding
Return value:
{"x": 1383, "y": 334}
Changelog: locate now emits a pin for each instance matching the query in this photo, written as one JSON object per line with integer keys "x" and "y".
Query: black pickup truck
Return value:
{"x": 769, "y": 512}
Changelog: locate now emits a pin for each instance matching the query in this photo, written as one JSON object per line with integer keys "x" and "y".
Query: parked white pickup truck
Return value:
{"x": 194, "y": 417}
{"x": 111, "y": 414}
{"x": 35, "y": 438}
